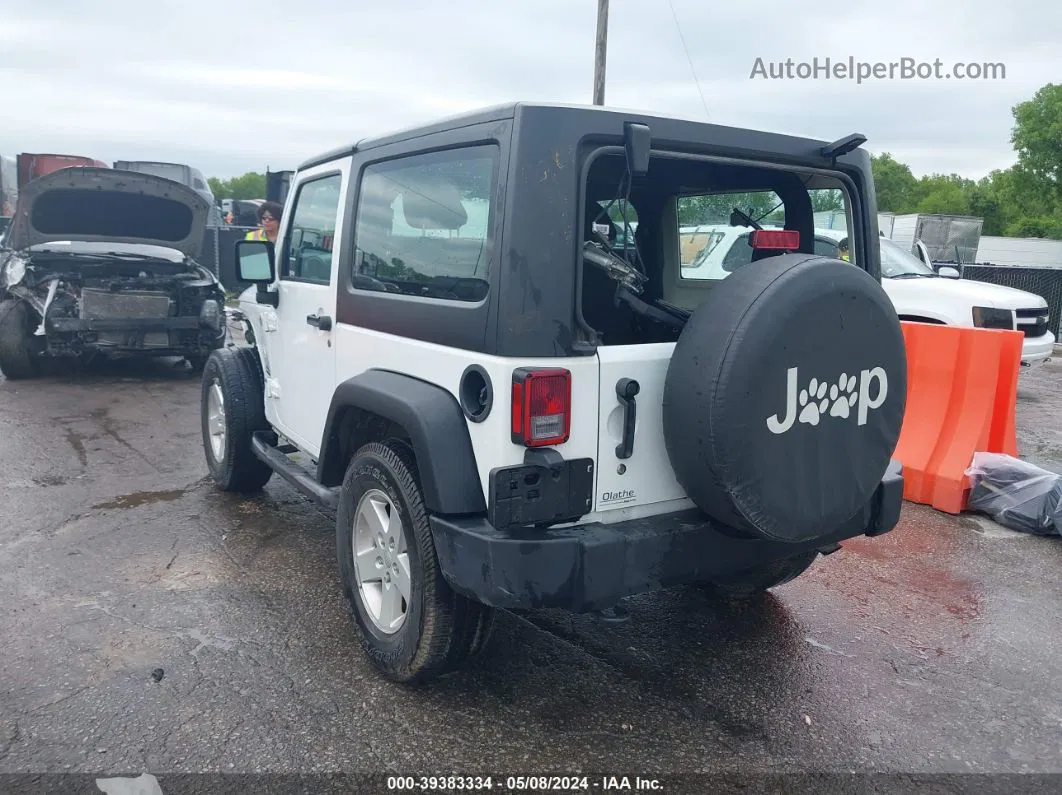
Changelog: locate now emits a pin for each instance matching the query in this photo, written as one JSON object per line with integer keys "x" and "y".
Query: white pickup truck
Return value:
{"x": 915, "y": 289}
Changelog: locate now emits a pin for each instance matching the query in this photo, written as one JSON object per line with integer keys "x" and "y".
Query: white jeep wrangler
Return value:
{"x": 511, "y": 407}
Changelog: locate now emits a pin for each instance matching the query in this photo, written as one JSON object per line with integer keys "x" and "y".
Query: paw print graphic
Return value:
{"x": 843, "y": 395}
{"x": 813, "y": 402}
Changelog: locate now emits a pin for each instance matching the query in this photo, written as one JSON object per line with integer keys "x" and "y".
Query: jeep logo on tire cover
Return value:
{"x": 840, "y": 398}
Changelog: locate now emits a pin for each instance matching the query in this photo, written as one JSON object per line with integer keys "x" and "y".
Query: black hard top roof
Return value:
{"x": 693, "y": 129}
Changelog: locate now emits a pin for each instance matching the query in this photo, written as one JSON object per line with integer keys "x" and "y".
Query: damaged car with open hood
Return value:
{"x": 101, "y": 261}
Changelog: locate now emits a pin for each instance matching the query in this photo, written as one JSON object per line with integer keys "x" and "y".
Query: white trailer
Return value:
{"x": 836, "y": 219}
{"x": 1020, "y": 251}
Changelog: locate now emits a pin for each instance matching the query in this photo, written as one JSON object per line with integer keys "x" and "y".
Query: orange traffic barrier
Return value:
{"x": 962, "y": 387}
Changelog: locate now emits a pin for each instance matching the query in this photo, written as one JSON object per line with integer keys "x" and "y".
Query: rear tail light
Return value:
{"x": 775, "y": 239}
{"x": 541, "y": 409}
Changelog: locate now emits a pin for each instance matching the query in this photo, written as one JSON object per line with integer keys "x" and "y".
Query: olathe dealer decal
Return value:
{"x": 618, "y": 497}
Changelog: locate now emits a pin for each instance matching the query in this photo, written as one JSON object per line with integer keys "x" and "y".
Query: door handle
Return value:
{"x": 626, "y": 390}
{"x": 323, "y": 322}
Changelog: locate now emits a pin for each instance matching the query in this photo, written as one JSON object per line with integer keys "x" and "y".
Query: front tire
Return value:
{"x": 413, "y": 626}
{"x": 748, "y": 583}
{"x": 232, "y": 409}
{"x": 18, "y": 357}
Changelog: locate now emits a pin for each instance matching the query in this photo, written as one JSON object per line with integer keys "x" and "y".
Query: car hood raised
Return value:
{"x": 967, "y": 291}
{"x": 105, "y": 205}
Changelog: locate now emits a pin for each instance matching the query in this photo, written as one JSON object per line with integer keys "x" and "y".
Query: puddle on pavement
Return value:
{"x": 139, "y": 498}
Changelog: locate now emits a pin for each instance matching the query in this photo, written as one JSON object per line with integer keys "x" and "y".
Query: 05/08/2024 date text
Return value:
{"x": 520, "y": 783}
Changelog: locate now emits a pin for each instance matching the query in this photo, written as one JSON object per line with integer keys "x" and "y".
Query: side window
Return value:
{"x": 423, "y": 225}
{"x": 308, "y": 250}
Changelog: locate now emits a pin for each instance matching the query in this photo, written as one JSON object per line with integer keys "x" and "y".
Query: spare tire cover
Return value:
{"x": 785, "y": 396}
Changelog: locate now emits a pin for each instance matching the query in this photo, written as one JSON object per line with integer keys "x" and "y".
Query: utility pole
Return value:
{"x": 599, "y": 52}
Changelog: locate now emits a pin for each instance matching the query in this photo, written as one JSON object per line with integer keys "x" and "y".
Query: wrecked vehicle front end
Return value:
{"x": 116, "y": 303}
{"x": 104, "y": 262}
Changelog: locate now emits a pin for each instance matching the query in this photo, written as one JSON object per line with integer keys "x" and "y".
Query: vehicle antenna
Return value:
{"x": 696, "y": 82}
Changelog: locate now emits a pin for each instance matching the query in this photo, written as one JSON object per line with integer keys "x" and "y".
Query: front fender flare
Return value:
{"x": 436, "y": 427}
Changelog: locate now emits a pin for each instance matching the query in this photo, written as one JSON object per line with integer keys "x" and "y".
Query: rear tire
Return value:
{"x": 18, "y": 357}
{"x": 232, "y": 409}
{"x": 748, "y": 583}
{"x": 413, "y": 626}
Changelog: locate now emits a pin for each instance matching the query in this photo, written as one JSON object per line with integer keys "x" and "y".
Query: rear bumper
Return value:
{"x": 592, "y": 566}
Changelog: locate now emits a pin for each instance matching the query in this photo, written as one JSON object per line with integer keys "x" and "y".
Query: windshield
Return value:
{"x": 897, "y": 262}
{"x": 714, "y": 238}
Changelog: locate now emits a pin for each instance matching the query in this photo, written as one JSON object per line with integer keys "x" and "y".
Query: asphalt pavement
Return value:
{"x": 151, "y": 623}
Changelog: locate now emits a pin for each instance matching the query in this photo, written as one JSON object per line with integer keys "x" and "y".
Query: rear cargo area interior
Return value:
{"x": 656, "y": 206}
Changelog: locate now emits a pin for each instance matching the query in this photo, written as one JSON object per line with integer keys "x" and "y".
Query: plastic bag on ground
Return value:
{"x": 1016, "y": 494}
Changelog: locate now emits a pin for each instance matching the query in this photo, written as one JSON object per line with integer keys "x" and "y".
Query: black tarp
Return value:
{"x": 1015, "y": 493}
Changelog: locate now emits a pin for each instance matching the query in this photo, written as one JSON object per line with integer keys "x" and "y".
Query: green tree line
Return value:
{"x": 249, "y": 186}
{"x": 1024, "y": 200}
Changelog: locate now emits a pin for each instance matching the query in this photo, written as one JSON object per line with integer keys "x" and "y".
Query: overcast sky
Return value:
{"x": 235, "y": 86}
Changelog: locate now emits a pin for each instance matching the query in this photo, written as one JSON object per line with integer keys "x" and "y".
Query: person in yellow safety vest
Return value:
{"x": 842, "y": 250}
{"x": 268, "y": 222}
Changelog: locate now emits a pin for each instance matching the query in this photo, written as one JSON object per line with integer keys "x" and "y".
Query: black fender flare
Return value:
{"x": 436, "y": 427}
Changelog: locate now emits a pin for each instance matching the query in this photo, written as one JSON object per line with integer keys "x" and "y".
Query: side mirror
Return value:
{"x": 637, "y": 140}
{"x": 949, "y": 272}
{"x": 255, "y": 263}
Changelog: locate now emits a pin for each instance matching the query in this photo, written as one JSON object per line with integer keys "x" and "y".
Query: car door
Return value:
{"x": 302, "y": 353}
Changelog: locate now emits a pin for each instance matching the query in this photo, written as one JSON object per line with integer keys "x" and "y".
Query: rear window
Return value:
{"x": 716, "y": 254}
{"x": 694, "y": 223}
